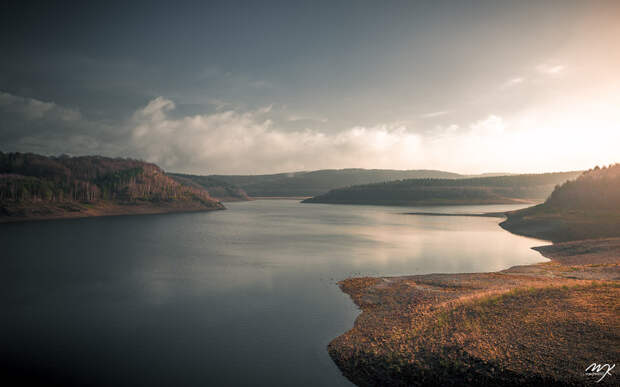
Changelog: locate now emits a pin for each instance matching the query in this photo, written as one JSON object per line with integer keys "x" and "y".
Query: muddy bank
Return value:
{"x": 542, "y": 323}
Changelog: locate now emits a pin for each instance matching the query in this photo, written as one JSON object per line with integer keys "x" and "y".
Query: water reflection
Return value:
{"x": 239, "y": 297}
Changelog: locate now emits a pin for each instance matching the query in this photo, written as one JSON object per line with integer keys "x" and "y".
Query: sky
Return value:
{"x": 260, "y": 87}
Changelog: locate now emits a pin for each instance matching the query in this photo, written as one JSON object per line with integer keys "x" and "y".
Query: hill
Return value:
{"x": 482, "y": 190}
{"x": 218, "y": 189}
{"x": 319, "y": 182}
{"x": 39, "y": 187}
{"x": 587, "y": 207}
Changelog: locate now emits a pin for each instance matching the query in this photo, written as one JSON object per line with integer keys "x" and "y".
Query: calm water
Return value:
{"x": 239, "y": 297}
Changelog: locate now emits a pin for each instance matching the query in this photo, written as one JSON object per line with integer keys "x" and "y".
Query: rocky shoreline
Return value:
{"x": 533, "y": 324}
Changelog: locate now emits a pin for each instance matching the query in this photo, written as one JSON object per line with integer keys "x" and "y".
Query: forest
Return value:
{"x": 595, "y": 189}
{"x": 217, "y": 188}
{"x": 31, "y": 178}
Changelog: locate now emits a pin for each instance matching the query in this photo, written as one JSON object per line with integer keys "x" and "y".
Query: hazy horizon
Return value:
{"x": 291, "y": 172}
{"x": 482, "y": 87}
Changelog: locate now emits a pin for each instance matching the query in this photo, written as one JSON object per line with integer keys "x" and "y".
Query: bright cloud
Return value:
{"x": 550, "y": 69}
{"x": 295, "y": 118}
{"x": 490, "y": 126}
{"x": 234, "y": 142}
{"x": 571, "y": 133}
{"x": 513, "y": 82}
{"x": 435, "y": 114}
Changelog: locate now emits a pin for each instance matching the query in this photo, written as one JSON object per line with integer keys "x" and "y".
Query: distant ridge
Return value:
{"x": 318, "y": 182}
{"x": 490, "y": 174}
{"x": 482, "y": 190}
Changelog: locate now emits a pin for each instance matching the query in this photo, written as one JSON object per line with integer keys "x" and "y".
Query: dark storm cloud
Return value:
{"x": 31, "y": 125}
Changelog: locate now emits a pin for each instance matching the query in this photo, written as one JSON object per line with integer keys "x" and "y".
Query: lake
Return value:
{"x": 241, "y": 297}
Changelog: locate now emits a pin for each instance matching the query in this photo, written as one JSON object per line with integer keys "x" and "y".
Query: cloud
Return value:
{"x": 155, "y": 110}
{"x": 218, "y": 103}
{"x": 233, "y": 142}
{"x": 32, "y": 125}
{"x": 33, "y": 109}
{"x": 569, "y": 134}
{"x": 550, "y": 69}
{"x": 489, "y": 126}
{"x": 513, "y": 82}
{"x": 266, "y": 109}
{"x": 296, "y": 118}
{"x": 242, "y": 143}
{"x": 435, "y": 114}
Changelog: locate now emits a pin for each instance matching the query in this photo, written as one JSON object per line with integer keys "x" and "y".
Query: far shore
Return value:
{"x": 484, "y": 215}
{"x": 106, "y": 209}
{"x": 526, "y": 325}
{"x": 280, "y": 197}
{"x": 423, "y": 203}
{"x": 232, "y": 199}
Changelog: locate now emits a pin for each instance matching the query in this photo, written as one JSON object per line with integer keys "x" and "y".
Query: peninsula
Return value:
{"x": 35, "y": 187}
{"x": 527, "y": 325}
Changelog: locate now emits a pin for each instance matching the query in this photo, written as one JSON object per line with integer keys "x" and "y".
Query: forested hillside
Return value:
{"x": 319, "y": 182}
{"x": 596, "y": 189}
{"x": 483, "y": 190}
{"x": 587, "y": 207}
{"x": 218, "y": 189}
{"x": 35, "y": 185}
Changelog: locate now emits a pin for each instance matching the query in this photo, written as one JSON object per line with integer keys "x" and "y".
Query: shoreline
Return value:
{"x": 110, "y": 209}
{"x": 428, "y": 203}
{"x": 492, "y": 328}
{"x": 279, "y": 197}
{"x": 482, "y": 215}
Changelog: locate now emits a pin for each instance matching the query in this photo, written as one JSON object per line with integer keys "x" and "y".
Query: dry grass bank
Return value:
{"x": 533, "y": 324}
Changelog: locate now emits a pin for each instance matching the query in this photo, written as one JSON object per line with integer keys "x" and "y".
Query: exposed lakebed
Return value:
{"x": 246, "y": 296}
